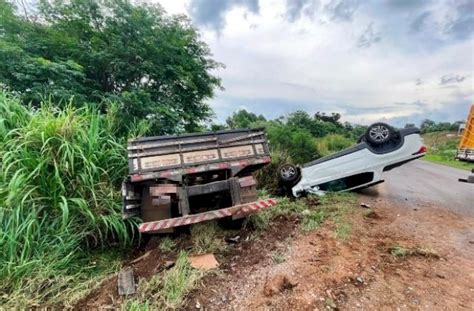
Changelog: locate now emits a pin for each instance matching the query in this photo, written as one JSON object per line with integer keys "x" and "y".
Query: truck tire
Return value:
{"x": 379, "y": 133}
{"x": 288, "y": 173}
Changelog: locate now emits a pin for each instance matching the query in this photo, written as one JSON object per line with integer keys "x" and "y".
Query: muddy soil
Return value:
{"x": 287, "y": 269}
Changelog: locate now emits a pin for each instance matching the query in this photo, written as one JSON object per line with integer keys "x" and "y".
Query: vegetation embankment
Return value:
{"x": 442, "y": 148}
{"x": 60, "y": 177}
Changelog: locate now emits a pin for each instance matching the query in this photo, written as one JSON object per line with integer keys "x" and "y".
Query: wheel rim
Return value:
{"x": 287, "y": 172}
{"x": 379, "y": 133}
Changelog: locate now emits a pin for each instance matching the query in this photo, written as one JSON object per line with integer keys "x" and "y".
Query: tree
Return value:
{"x": 427, "y": 125}
{"x": 243, "y": 119}
{"x": 298, "y": 143}
{"x": 300, "y": 119}
{"x": 333, "y": 118}
{"x": 319, "y": 126}
{"x": 100, "y": 51}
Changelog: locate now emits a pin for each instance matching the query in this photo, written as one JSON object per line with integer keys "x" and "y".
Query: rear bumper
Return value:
{"x": 234, "y": 211}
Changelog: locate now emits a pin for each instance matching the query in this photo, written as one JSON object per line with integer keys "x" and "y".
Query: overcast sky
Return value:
{"x": 393, "y": 60}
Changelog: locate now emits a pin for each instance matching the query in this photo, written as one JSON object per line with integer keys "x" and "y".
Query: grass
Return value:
{"x": 167, "y": 245}
{"x": 442, "y": 148}
{"x": 402, "y": 252}
{"x": 60, "y": 177}
{"x": 312, "y": 211}
{"x": 166, "y": 290}
{"x": 278, "y": 258}
{"x": 447, "y": 160}
{"x": 206, "y": 238}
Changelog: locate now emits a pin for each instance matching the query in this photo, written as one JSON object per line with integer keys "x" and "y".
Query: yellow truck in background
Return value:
{"x": 466, "y": 145}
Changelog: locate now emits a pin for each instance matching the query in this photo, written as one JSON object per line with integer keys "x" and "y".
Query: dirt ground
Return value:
{"x": 321, "y": 272}
{"x": 286, "y": 269}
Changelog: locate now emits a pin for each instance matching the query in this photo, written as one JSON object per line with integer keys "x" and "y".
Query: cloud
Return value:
{"x": 417, "y": 103}
{"x": 406, "y": 4}
{"x": 368, "y": 60}
{"x": 342, "y": 10}
{"x": 419, "y": 22}
{"x": 211, "y": 13}
{"x": 454, "y": 111}
{"x": 368, "y": 37}
{"x": 461, "y": 26}
{"x": 451, "y": 79}
{"x": 295, "y": 9}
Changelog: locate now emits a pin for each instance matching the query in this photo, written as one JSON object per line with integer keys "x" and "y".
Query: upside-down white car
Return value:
{"x": 380, "y": 149}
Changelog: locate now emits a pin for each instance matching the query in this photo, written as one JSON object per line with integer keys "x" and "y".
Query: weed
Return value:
{"x": 313, "y": 219}
{"x": 343, "y": 230}
{"x": 134, "y": 305}
{"x": 166, "y": 290}
{"x": 285, "y": 207}
{"x": 312, "y": 211}
{"x": 330, "y": 303}
{"x": 205, "y": 238}
{"x": 167, "y": 245}
{"x": 400, "y": 251}
{"x": 278, "y": 258}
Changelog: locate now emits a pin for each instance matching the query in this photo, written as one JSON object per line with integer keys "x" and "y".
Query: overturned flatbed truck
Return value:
{"x": 185, "y": 179}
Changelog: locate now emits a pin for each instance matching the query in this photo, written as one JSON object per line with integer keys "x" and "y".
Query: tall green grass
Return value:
{"x": 60, "y": 175}
{"x": 442, "y": 149}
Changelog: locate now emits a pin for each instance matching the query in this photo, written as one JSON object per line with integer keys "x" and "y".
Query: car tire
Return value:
{"x": 379, "y": 133}
{"x": 288, "y": 173}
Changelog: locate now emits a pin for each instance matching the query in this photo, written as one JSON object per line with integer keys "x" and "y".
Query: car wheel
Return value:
{"x": 379, "y": 133}
{"x": 288, "y": 173}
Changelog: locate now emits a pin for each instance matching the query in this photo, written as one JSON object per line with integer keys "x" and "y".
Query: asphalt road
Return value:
{"x": 421, "y": 184}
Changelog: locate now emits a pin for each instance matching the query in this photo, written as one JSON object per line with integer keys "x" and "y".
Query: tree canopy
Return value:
{"x": 427, "y": 126}
{"x": 243, "y": 118}
{"x": 100, "y": 51}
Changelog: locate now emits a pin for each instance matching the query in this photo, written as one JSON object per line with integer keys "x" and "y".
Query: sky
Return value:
{"x": 399, "y": 61}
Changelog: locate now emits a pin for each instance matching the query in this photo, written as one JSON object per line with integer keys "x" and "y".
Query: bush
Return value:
{"x": 333, "y": 143}
{"x": 59, "y": 196}
{"x": 267, "y": 177}
{"x": 297, "y": 143}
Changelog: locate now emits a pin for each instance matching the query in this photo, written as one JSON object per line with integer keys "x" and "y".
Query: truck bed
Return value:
{"x": 163, "y": 153}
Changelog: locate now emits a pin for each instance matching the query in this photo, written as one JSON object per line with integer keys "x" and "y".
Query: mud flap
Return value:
{"x": 131, "y": 199}
{"x": 247, "y": 193}
{"x": 157, "y": 203}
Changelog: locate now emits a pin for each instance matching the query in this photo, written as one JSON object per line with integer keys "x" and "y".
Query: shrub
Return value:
{"x": 333, "y": 143}
{"x": 297, "y": 143}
